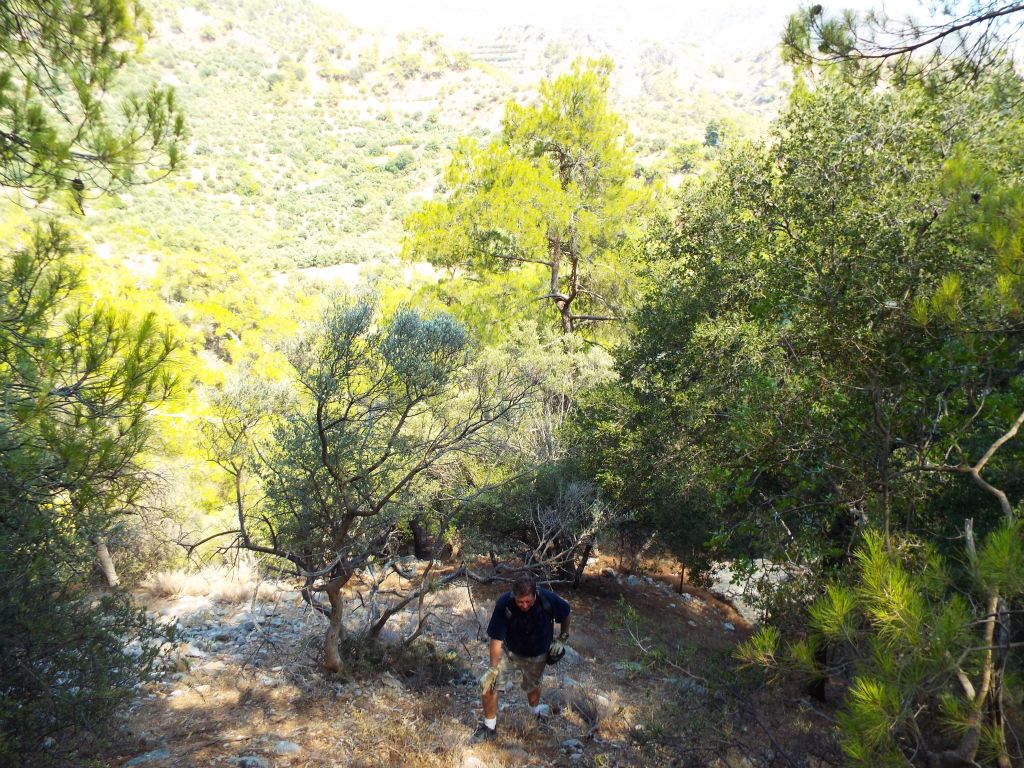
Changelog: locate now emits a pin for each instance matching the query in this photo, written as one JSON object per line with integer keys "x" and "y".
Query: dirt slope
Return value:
{"x": 650, "y": 683}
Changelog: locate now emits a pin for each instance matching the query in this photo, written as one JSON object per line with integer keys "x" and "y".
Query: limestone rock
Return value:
{"x": 157, "y": 754}
{"x": 572, "y": 745}
{"x": 571, "y": 658}
{"x": 287, "y": 748}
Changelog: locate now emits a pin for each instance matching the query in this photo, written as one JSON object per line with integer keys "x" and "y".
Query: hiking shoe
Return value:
{"x": 483, "y": 733}
{"x": 543, "y": 713}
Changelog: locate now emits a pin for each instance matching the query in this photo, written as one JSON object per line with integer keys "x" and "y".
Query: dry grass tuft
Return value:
{"x": 221, "y": 583}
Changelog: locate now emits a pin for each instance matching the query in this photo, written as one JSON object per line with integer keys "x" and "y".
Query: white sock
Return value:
{"x": 491, "y": 722}
{"x": 536, "y": 710}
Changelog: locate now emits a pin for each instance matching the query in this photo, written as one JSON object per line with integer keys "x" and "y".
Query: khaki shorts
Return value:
{"x": 532, "y": 668}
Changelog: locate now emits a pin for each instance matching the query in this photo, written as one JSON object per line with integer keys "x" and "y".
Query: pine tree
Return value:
{"x": 78, "y": 378}
{"x": 555, "y": 193}
{"x": 61, "y": 127}
{"x": 77, "y": 382}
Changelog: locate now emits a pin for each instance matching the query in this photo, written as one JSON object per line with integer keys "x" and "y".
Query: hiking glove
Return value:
{"x": 488, "y": 680}
{"x": 556, "y": 652}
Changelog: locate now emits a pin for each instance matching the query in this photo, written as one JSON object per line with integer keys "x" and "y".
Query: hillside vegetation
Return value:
{"x": 311, "y": 140}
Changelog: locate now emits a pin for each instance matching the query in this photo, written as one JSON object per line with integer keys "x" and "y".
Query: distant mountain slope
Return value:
{"x": 311, "y": 139}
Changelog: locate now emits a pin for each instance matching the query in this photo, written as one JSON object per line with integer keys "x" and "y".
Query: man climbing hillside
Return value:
{"x": 522, "y": 637}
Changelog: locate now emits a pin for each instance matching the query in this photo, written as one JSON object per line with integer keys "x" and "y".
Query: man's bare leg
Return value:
{"x": 491, "y": 704}
{"x": 533, "y": 697}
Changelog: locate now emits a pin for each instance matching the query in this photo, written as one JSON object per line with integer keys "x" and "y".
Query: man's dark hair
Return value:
{"x": 523, "y": 586}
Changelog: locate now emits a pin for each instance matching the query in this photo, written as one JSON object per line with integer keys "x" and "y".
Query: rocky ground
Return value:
{"x": 648, "y": 682}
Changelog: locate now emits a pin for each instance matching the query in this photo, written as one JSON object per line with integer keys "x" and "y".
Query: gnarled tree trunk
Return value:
{"x": 335, "y": 629}
{"x": 422, "y": 542}
{"x": 106, "y": 562}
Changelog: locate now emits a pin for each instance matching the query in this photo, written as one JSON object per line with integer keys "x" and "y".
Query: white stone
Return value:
{"x": 392, "y": 682}
{"x": 287, "y": 748}
{"x": 157, "y": 754}
{"x": 743, "y": 593}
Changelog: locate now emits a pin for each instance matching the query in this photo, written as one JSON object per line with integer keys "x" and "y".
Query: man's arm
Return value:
{"x": 495, "y": 650}
{"x": 496, "y": 630}
{"x": 563, "y": 627}
{"x": 490, "y": 677}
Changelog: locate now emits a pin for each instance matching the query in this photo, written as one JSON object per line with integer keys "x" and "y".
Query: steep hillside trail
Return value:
{"x": 640, "y": 686}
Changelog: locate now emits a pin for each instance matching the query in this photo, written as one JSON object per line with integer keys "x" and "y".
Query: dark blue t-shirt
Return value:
{"x": 527, "y": 633}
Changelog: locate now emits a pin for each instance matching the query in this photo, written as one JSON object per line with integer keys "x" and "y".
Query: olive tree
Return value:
{"x": 389, "y": 415}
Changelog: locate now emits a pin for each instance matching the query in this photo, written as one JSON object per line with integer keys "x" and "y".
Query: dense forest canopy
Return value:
{"x": 365, "y": 304}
